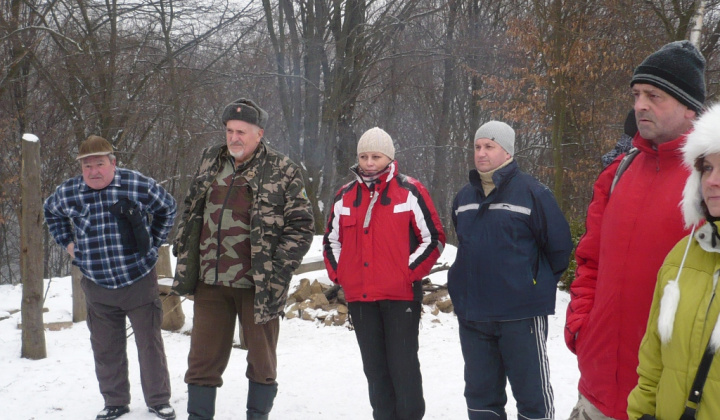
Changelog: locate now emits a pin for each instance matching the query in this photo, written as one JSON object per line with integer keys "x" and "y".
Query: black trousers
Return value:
{"x": 387, "y": 333}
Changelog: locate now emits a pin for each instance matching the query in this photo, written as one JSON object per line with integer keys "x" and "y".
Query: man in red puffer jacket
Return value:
{"x": 629, "y": 233}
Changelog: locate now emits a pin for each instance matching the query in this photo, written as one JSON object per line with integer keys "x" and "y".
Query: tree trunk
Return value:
{"x": 696, "y": 31}
{"x": 314, "y": 145}
{"x": 31, "y": 264}
{"x": 558, "y": 103}
{"x": 443, "y": 196}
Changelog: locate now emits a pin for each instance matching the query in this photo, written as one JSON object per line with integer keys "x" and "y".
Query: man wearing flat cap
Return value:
{"x": 630, "y": 228}
{"x": 102, "y": 219}
{"x": 513, "y": 245}
{"x": 246, "y": 226}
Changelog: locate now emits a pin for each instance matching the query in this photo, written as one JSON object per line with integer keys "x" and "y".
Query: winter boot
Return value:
{"x": 260, "y": 400}
{"x": 163, "y": 411}
{"x": 111, "y": 412}
{"x": 201, "y": 402}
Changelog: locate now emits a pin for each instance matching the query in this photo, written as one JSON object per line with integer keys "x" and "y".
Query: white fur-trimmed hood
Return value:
{"x": 703, "y": 140}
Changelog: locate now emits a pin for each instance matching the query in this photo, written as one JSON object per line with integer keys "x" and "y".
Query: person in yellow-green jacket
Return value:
{"x": 684, "y": 316}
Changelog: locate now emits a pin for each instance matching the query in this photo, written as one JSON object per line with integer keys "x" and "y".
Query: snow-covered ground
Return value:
{"x": 319, "y": 374}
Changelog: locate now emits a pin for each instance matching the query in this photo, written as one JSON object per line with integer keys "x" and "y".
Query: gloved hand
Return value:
{"x": 131, "y": 224}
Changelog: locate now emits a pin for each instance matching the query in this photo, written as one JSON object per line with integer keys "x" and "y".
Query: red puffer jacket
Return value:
{"x": 626, "y": 240}
{"x": 378, "y": 242}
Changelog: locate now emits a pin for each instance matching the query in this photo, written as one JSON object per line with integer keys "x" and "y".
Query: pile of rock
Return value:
{"x": 326, "y": 304}
{"x": 436, "y": 298}
{"x": 318, "y": 301}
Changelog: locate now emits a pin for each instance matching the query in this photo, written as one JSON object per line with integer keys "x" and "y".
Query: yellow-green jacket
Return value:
{"x": 682, "y": 318}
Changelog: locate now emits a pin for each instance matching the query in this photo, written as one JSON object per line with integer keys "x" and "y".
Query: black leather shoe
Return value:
{"x": 112, "y": 412}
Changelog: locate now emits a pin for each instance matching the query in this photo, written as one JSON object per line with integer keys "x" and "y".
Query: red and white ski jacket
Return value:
{"x": 377, "y": 243}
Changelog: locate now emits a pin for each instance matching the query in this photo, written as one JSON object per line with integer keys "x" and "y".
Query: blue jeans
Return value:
{"x": 498, "y": 351}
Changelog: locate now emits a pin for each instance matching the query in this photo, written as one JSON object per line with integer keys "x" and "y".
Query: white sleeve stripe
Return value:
{"x": 422, "y": 224}
{"x": 334, "y": 234}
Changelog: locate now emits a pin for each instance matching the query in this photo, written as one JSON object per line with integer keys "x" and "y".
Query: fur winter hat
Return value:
{"x": 677, "y": 68}
{"x": 500, "y": 133}
{"x": 702, "y": 141}
{"x": 245, "y": 110}
{"x": 94, "y": 146}
{"x": 376, "y": 140}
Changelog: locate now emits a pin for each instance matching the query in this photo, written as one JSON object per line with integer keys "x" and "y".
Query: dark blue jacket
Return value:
{"x": 513, "y": 247}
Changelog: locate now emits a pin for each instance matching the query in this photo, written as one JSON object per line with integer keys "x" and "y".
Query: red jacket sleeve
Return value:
{"x": 429, "y": 232}
{"x": 587, "y": 254}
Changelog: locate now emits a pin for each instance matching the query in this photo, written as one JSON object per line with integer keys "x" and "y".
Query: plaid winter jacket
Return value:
{"x": 77, "y": 213}
{"x": 281, "y": 226}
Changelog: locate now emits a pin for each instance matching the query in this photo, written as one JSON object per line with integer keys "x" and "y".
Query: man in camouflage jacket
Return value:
{"x": 246, "y": 226}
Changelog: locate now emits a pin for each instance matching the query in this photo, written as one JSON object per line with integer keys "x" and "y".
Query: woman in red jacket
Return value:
{"x": 383, "y": 236}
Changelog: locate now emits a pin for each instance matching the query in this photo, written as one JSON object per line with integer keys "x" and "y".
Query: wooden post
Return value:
{"x": 173, "y": 316}
{"x": 31, "y": 246}
{"x": 79, "y": 307}
{"x": 163, "y": 266}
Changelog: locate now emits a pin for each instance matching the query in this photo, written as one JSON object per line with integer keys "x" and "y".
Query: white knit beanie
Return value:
{"x": 500, "y": 133}
{"x": 376, "y": 140}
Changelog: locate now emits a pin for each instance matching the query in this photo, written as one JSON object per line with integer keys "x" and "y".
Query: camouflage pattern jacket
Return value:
{"x": 281, "y": 223}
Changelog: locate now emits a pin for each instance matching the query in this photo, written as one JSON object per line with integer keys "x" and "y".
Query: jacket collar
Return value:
{"x": 114, "y": 183}
{"x": 703, "y": 236}
{"x": 258, "y": 155}
{"x": 382, "y": 180}
{"x": 500, "y": 177}
{"x": 671, "y": 148}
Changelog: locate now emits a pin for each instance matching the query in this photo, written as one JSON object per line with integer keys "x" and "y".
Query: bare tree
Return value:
{"x": 325, "y": 52}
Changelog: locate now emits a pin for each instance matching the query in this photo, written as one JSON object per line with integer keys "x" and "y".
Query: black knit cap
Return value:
{"x": 245, "y": 110}
{"x": 677, "y": 68}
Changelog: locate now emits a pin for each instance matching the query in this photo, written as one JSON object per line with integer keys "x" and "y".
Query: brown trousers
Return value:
{"x": 107, "y": 309}
{"x": 215, "y": 311}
